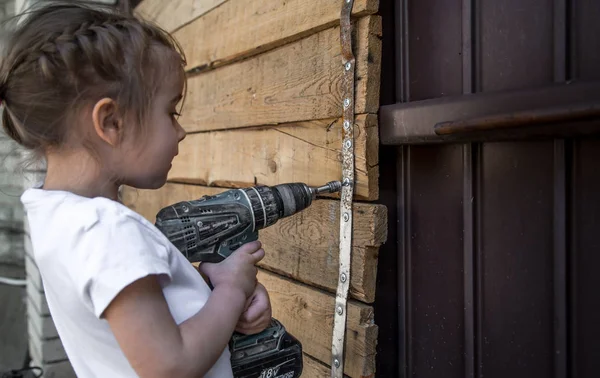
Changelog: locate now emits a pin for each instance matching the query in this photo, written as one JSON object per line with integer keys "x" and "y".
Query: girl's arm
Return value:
{"x": 156, "y": 346}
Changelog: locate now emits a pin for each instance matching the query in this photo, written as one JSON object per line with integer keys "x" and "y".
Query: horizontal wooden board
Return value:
{"x": 308, "y": 152}
{"x": 314, "y": 368}
{"x": 297, "y": 82}
{"x": 308, "y": 313}
{"x": 239, "y": 29}
{"x": 174, "y": 14}
{"x": 304, "y": 246}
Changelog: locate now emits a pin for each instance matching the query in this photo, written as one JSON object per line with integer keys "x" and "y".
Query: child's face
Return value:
{"x": 149, "y": 158}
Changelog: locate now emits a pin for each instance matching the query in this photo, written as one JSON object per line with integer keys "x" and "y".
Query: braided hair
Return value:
{"x": 63, "y": 56}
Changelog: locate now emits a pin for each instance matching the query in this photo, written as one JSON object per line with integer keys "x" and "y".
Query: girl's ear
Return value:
{"x": 108, "y": 122}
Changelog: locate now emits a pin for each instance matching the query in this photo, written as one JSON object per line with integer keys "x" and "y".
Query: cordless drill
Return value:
{"x": 211, "y": 228}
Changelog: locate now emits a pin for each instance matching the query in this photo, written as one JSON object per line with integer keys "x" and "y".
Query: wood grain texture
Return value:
{"x": 314, "y": 368}
{"x": 174, "y": 14}
{"x": 242, "y": 28}
{"x": 305, "y": 246}
{"x": 308, "y": 314}
{"x": 308, "y": 152}
{"x": 300, "y": 81}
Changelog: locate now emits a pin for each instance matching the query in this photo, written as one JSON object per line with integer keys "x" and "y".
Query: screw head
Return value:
{"x": 185, "y": 208}
{"x": 346, "y": 217}
{"x": 199, "y": 224}
{"x": 346, "y": 125}
{"x": 346, "y": 182}
{"x": 343, "y": 277}
{"x": 348, "y": 143}
{"x": 340, "y": 310}
{"x": 346, "y": 103}
{"x": 336, "y": 363}
{"x": 348, "y": 66}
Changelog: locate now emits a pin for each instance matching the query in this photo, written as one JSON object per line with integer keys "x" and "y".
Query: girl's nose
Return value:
{"x": 181, "y": 133}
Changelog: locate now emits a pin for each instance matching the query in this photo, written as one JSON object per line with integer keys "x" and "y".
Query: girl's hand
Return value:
{"x": 257, "y": 314}
{"x": 238, "y": 271}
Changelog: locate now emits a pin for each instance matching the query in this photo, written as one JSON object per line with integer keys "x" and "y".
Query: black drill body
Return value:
{"x": 209, "y": 229}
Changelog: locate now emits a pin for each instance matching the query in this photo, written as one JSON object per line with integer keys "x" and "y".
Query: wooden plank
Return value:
{"x": 304, "y": 246}
{"x": 314, "y": 368}
{"x": 298, "y": 82}
{"x": 307, "y": 314}
{"x": 252, "y": 27}
{"x": 174, "y": 14}
{"x": 285, "y": 153}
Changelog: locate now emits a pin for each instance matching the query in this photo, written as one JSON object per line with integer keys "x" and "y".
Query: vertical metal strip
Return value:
{"x": 404, "y": 284}
{"x": 348, "y": 68}
{"x": 560, "y": 199}
{"x": 478, "y": 258}
{"x": 560, "y": 260}
{"x": 402, "y": 50}
{"x": 468, "y": 198}
{"x": 571, "y": 182}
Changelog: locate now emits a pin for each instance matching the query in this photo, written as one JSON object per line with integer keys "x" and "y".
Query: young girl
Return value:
{"x": 95, "y": 93}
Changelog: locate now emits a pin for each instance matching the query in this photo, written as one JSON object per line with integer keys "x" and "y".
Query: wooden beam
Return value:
{"x": 253, "y": 27}
{"x": 308, "y": 152}
{"x": 174, "y": 14}
{"x": 314, "y": 368}
{"x": 298, "y": 82}
{"x": 304, "y": 246}
{"x": 307, "y": 314}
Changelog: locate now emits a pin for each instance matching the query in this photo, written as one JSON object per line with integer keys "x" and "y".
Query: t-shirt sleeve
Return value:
{"x": 115, "y": 252}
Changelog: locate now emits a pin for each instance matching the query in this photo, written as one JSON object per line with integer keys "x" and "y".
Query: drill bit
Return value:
{"x": 330, "y": 187}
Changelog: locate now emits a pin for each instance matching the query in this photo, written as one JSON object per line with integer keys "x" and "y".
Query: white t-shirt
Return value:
{"x": 87, "y": 251}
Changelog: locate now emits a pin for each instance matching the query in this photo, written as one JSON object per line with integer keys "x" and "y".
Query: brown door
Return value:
{"x": 490, "y": 120}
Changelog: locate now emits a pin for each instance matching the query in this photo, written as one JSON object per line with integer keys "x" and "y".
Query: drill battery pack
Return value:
{"x": 273, "y": 353}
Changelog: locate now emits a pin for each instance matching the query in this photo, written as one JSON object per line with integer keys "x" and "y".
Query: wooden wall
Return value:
{"x": 264, "y": 107}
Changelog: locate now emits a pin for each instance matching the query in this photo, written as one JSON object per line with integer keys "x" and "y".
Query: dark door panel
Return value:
{"x": 497, "y": 247}
{"x": 514, "y": 259}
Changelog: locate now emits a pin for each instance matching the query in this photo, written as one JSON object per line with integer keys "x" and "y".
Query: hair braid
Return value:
{"x": 64, "y": 55}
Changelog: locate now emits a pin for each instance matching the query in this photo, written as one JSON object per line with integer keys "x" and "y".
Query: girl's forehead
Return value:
{"x": 173, "y": 81}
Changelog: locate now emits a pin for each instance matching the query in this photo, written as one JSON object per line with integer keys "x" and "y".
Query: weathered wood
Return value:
{"x": 298, "y": 82}
{"x": 308, "y": 313}
{"x": 314, "y": 368}
{"x": 304, "y": 246}
{"x": 308, "y": 152}
{"x": 255, "y": 26}
{"x": 174, "y": 14}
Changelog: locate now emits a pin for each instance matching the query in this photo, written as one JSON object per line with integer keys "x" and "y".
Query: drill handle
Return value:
{"x": 230, "y": 245}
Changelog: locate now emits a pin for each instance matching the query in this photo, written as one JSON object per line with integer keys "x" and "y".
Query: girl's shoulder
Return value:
{"x": 86, "y": 214}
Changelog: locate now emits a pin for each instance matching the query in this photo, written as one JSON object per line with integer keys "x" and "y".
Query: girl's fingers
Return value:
{"x": 250, "y": 247}
{"x": 258, "y": 255}
{"x": 254, "y": 312}
{"x": 255, "y": 327}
